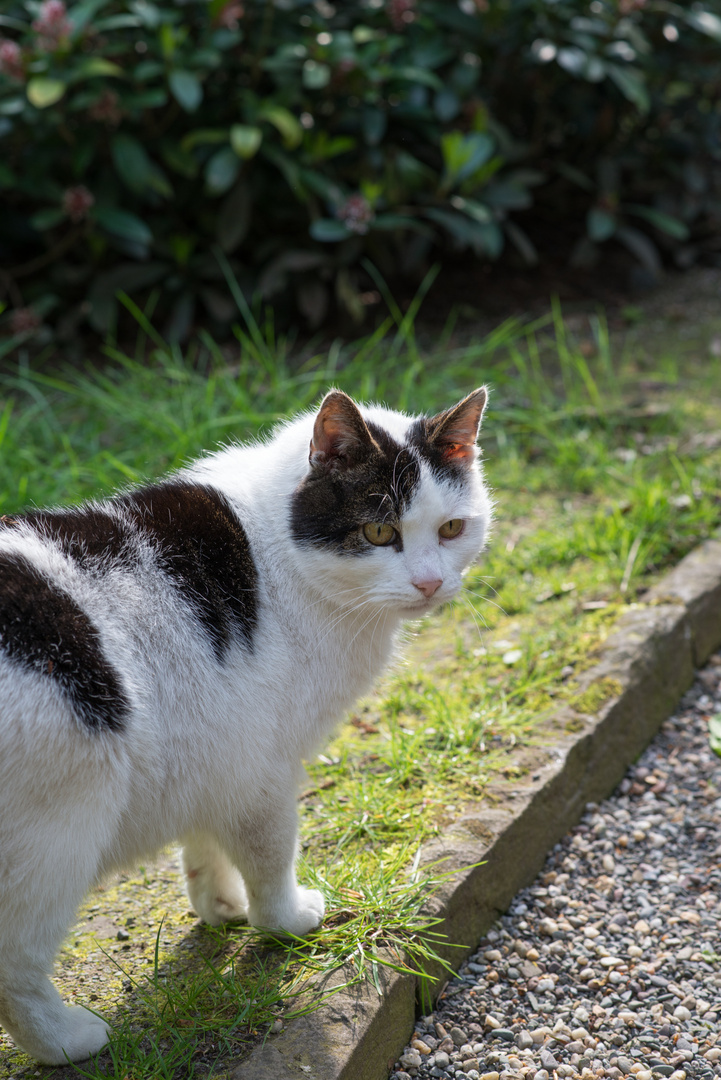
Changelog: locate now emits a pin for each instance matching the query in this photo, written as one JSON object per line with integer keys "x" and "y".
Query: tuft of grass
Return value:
{"x": 599, "y": 485}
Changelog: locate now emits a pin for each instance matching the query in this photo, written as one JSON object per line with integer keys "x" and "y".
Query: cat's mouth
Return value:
{"x": 422, "y": 605}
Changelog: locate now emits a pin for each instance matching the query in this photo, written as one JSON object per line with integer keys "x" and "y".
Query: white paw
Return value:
{"x": 217, "y": 898}
{"x": 83, "y": 1034}
{"x": 300, "y": 914}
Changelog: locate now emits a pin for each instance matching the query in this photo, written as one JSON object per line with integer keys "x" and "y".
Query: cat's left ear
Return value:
{"x": 454, "y": 432}
{"x": 340, "y": 436}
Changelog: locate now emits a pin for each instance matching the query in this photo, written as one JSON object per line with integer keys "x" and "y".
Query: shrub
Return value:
{"x": 300, "y": 138}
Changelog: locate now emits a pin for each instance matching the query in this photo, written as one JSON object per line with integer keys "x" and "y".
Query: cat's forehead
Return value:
{"x": 396, "y": 424}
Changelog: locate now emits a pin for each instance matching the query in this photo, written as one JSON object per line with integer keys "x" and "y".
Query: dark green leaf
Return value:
{"x": 665, "y": 222}
{"x": 522, "y": 243}
{"x": 222, "y": 170}
{"x": 507, "y": 195}
{"x": 94, "y": 67}
{"x": 386, "y": 222}
{"x": 464, "y": 154}
{"x": 186, "y": 89}
{"x": 600, "y": 225}
{"x": 82, "y": 13}
{"x": 48, "y": 218}
{"x": 131, "y": 161}
{"x": 147, "y": 12}
{"x": 328, "y": 230}
{"x": 644, "y": 249}
{"x": 122, "y": 223}
{"x": 204, "y": 137}
{"x": 484, "y": 239}
{"x": 245, "y": 140}
{"x": 315, "y": 75}
{"x": 282, "y": 119}
{"x": 12, "y": 106}
{"x": 234, "y": 218}
{"x": 136, "y": 169}
{"x": 446, "y": 105}
{"x": 417, "y": 75}
{"x": 179, "y": 160}
{"x": 705, "y": 21}
{"x": 632, "y": 85}
{"x": 374, "y": 123}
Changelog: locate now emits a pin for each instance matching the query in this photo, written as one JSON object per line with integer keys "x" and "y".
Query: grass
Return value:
{"x": 605, "y": 463}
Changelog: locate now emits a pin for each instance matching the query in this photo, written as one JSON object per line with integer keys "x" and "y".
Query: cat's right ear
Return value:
{"x": 340, "y": 436}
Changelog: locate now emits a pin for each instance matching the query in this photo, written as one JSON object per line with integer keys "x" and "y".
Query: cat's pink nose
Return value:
{"x": 428, "y": 588}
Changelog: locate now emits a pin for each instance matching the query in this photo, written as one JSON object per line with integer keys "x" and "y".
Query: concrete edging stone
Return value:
{"x": 649, "y": 659}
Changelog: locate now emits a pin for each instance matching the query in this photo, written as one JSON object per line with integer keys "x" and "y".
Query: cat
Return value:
{"x": 169, "y": 655}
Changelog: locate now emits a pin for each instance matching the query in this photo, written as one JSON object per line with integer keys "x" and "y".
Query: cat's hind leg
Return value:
{"x": 60, "y": 790}
{"x": 215, "y": 887}
{"x": 37, "y": 906}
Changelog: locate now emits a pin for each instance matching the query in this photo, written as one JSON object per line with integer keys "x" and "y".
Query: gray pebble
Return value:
{"x": 410, "y": 1059}
{"x": 548, "y": 1060}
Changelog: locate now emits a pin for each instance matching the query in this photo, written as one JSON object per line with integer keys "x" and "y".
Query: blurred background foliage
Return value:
{"x": 146, "y": 145}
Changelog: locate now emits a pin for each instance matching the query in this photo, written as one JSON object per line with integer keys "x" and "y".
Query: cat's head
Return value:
{"x": 392, "y": 509}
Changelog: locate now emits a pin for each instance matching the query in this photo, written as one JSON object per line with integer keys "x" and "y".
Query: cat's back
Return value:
{"x": 97, "y": 601}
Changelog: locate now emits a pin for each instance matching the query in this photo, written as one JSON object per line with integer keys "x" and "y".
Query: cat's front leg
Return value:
{"x": 265, "y": 849}
{"x": 215, "y": 887}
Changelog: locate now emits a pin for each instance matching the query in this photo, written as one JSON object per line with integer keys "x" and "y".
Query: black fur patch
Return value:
{"x": 42, "y": 628}
{"x": 200, "y": 544}
{"x": 330, "y": 506}
{"x": 453, "y": 471}
{"x": 89, "y": 535}
{"x": 204, "y": 550}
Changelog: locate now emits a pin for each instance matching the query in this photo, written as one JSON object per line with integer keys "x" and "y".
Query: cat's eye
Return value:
{"x": 451, "y": 529}
{"x": 378, "y": 533}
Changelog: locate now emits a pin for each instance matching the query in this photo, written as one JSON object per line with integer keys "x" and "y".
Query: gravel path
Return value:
{"x": 608, "y": 965}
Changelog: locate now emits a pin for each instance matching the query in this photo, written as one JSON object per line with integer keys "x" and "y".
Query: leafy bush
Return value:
{"x": 139, "y": 138}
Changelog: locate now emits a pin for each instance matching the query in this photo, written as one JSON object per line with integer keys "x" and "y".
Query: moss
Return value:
{"x": 595, "y": 696}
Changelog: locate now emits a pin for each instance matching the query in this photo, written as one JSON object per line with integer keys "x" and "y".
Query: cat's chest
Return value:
{"x": 319, "y": 658}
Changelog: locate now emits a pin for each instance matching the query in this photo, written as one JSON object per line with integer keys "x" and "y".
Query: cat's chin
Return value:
{"x": 418, "y": 609}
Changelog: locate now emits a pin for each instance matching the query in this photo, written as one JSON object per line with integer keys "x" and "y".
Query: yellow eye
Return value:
{"x": 376, "y": 532}
{"x": 451, "y": 529}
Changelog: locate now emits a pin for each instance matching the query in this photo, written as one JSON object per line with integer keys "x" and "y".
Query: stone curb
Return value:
{"x": 649, "y": 660}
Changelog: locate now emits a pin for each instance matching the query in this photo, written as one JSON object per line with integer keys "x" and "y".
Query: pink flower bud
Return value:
{"x": 51, "y": 25}
{"x": 401, "y": 13}
{"x": 76, "y": 202}
{"x": 356, "y": 213}
{"x": 24, "y": 321}
{"x": 11, "y": 59}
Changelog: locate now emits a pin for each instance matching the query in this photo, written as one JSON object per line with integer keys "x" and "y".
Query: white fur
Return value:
{"x": 211, "y": 754}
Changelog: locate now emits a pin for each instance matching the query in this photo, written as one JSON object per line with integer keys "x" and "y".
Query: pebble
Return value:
{"x": 606, "y": 966}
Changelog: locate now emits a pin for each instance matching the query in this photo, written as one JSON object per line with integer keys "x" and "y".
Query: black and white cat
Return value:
{"x": 168, "y": 657}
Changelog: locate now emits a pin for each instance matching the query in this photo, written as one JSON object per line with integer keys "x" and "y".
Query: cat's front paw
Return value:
{"x": 83, "y": 1034}
{"x": 217, "y": 897}
{"x": 309, "y": 913}
{"x": 301, "y": 913}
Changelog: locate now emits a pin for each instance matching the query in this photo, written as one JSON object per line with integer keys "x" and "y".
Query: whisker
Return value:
{"x": 339, "y": 619}
{"x": 488, "y": 585}
{"x": 370, "y": 646}
{"x": 476, "y": 616}
{"x": 486, "y": 599}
